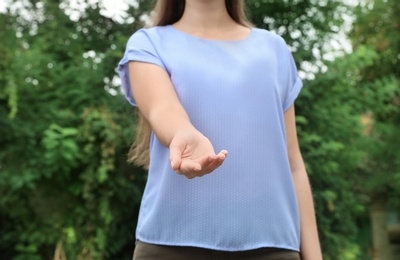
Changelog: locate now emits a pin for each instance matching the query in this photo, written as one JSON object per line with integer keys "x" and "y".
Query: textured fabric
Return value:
{"x": 235, "y": 93}
{"x": 145, "y": 251}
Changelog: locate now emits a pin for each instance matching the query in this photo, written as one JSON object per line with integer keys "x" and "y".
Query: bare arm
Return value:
{"x": 310, "y": 246}
{"x": 191, "y": 153}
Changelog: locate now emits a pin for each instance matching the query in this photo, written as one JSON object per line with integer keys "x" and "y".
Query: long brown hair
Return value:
{"x": 169, "y": 12}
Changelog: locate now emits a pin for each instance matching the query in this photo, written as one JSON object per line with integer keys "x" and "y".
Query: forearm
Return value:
{"x": 191, "y": 153}
{"x": 166, "y": 122}
{"x": 310, "y": 246}
{"x": 157, "y": 101}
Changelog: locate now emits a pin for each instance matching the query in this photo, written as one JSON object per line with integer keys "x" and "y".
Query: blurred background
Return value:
{"x": 66, "y": 191}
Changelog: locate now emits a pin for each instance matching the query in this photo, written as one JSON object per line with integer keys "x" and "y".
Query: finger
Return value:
{"x": 212, "y": 158}
{"x": 215, "y": 161}
{"x": 175, "y": 157}
{"x": 218, "y": 162}
{"x": 224, "y": 152}
{"x": 188, "y": 176}
{"x": 205, "y": 161}
{"x": 190, "y": 167}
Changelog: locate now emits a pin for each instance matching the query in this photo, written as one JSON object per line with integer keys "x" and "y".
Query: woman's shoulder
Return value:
{"x": 153, "y": 31}
{"x": 153, "y": 34}
{"x": 269, "y": 36}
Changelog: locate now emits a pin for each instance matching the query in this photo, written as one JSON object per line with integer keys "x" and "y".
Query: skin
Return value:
{"x": 191, "y": 153}
{"x": 310, "y": 247}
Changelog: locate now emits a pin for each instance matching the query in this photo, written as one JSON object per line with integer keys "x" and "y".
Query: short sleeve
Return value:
{"x": 294, "y": 83}
{"x": 139, "y": 48}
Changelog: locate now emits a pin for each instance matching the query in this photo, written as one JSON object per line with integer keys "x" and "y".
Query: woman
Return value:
{"x": 204, "y": 80}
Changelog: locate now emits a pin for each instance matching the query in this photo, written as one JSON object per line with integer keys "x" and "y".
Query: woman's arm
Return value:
{"x": 310, "y": 247}
{"x": 191, "y": 153}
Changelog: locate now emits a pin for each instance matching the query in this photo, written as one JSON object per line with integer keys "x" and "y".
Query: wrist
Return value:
{"x": 167, "y": 128}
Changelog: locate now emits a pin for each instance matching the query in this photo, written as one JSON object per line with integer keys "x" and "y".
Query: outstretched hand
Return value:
{"x": 192, "y": 154}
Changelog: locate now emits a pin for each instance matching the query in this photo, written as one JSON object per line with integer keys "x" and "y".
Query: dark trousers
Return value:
{"x": 145, "y": 251}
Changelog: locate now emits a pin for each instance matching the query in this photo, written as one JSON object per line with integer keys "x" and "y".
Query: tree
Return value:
{"x": 65, "y": 129}
{"x": 64, "y": 136}
{"x": 380, "y": 172}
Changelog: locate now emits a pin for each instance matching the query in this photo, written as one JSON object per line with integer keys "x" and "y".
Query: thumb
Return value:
{"x": 175, "y": 157}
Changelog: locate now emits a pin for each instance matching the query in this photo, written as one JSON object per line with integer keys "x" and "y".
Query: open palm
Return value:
{"x": 192, "y": 154}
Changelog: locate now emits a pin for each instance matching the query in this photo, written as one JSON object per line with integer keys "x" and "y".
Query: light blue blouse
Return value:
{"x": 235, "y": 93}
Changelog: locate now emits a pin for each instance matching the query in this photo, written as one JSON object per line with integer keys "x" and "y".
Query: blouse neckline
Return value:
{"x": 249, "y": 36}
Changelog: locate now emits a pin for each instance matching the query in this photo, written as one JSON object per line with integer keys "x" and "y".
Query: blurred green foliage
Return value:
{"x": 65, "y": 129}
{"x": 378, "y": 27}
{"x": 64, "y": 137}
